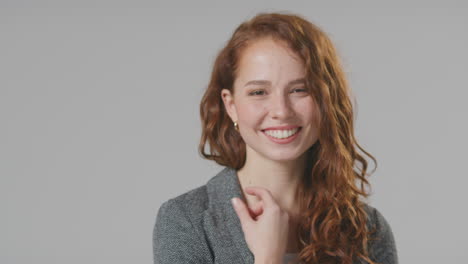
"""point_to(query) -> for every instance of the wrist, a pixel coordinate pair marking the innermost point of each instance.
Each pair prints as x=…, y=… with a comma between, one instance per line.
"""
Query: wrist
x=264, y=260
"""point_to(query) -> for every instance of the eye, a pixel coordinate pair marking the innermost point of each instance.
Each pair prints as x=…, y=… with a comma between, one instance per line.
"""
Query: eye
x=258, y=92
x=299, y=90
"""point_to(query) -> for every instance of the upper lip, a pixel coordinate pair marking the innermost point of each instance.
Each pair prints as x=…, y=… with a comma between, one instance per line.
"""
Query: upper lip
x=281, y=127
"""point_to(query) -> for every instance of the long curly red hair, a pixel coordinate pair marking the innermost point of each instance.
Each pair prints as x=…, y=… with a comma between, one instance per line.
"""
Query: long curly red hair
x=332, y=227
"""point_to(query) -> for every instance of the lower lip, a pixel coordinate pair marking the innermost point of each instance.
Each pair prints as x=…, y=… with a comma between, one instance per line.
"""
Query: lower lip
x=283, y=140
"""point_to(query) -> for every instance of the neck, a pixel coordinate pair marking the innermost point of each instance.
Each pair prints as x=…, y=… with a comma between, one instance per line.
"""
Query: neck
x=281, y=178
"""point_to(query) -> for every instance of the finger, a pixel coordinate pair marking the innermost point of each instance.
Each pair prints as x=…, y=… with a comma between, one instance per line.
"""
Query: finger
x=256, y=209
x=262, y=193
x=242, y=212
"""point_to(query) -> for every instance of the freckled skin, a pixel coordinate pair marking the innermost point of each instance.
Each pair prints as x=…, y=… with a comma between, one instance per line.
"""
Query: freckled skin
x=275, y=101
x=273, y=105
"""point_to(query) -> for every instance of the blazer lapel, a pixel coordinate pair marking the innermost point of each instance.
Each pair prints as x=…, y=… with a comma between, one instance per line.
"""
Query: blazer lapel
x=221, y=188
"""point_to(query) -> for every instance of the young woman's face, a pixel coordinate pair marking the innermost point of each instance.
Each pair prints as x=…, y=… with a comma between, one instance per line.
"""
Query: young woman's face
x=276, y=115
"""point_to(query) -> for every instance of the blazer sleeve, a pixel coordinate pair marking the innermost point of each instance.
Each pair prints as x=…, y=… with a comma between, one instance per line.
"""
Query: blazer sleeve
x=175, y=239
x=382, y=247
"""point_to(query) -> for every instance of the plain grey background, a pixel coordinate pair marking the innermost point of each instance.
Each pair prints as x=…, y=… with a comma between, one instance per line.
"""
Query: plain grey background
x=99, y=118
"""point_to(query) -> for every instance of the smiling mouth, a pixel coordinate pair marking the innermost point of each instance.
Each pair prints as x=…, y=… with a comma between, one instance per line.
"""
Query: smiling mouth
x=282, y=134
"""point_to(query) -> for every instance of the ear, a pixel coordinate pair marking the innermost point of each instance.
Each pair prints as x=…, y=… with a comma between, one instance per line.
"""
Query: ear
x=228, y=100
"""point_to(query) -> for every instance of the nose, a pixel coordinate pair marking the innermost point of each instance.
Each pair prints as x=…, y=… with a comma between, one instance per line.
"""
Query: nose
x=280, y=107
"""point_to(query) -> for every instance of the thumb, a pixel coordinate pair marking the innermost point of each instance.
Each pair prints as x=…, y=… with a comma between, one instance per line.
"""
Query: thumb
x=241, y=211
x=256, y=210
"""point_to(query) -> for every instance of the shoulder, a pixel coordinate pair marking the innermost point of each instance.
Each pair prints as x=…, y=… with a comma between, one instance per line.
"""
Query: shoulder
x=376, y=219
x=178, y=234
x=381, y=245
x=190, y=204
x=195, y=202
x=183, y=211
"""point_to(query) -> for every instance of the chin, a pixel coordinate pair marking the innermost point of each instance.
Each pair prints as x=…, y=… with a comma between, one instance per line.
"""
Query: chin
x=283, y=157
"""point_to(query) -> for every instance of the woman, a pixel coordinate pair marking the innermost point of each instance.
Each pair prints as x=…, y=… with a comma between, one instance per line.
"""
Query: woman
x=277, y=115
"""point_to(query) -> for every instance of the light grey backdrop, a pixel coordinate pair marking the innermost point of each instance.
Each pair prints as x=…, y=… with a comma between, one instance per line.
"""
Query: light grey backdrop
x=99, y=118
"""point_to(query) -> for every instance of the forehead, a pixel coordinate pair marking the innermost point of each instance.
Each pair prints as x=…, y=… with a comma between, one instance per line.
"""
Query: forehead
x=267, y=56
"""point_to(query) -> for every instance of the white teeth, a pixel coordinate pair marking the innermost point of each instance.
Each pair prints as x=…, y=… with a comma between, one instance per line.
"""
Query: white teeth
x=281, y=133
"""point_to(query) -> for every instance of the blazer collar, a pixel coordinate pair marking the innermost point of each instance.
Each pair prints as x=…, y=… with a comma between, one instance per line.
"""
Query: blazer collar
x=221, y=188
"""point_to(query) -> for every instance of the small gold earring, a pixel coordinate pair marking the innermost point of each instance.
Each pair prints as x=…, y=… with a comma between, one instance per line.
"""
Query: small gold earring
x=236, y=127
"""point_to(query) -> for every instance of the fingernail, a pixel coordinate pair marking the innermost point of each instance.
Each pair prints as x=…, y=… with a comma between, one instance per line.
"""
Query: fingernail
x=234, y=201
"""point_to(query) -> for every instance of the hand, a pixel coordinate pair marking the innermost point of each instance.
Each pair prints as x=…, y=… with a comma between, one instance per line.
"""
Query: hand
x=265, y=226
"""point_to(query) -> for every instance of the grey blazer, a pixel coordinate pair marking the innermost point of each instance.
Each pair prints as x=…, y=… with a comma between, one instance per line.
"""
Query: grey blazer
x=201, y=226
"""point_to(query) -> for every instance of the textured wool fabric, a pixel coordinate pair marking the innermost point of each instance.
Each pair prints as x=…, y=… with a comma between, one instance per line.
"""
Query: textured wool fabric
x=201, y=226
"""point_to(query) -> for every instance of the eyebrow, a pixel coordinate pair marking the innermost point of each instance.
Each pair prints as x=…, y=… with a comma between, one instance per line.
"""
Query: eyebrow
x=265, y=82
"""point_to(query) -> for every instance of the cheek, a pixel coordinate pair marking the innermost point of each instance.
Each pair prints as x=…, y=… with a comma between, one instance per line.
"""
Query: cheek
x=308, y=110
x=250, y=113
